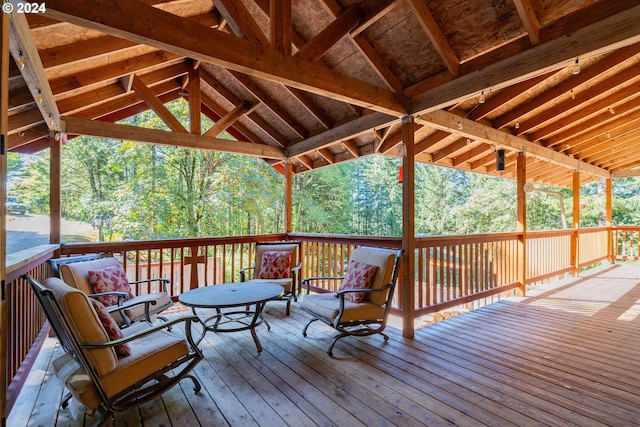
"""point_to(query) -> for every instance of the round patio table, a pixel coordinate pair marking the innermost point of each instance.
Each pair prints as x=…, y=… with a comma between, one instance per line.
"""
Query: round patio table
x=231, y=295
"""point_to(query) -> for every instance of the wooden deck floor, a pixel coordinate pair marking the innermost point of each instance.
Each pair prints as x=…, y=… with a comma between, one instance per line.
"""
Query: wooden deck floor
x=565, y=356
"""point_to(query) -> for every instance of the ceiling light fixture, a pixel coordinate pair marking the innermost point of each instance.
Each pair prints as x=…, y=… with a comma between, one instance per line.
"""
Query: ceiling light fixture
x=460, y=127
x=517, y=125
x=20, y=61
x=482, y=99
x=576, y=67
x=611, y=110
x=39, y=97
x=573, y=95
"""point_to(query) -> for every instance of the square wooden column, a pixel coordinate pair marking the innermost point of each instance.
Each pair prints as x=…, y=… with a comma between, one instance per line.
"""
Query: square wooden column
x=575, y=236
x=521, y=196
x=55, y=185
x=408, y=276
x=288, y=198
x=609, y=218
x=4, y=130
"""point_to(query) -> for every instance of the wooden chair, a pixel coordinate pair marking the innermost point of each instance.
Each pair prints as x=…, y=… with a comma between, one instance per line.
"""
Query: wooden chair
x=289, y=279
x=93, y=368
x=363, y=317
x=74, y=271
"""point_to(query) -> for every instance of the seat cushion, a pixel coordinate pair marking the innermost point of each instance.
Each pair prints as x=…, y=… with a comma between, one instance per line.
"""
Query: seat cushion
x=76, y=274
x=285, y=283
x=148, y=355
x=84, y=324
x=326, y=306
x=109, y=279
x=74, y=377
x=275, y=265
x=385, y=261
x=162, y=300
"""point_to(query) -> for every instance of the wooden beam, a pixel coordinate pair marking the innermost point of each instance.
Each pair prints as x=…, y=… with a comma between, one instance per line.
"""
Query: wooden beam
x=140, y=23
x=611, y=33
x=312, y=108
x=373, y=14
x=327, y=155
x=529, y=20
x=330, y=35
x=195, y=101
x=378, y=63
x=157, y=106
x=451, y=123
x=228, y=119
x=96, y=128
x=347, y=130
x=55, y=187
x=241, y=21
x=575, y=236
x=521, y=214
x=281, y=25
x=25, y=53
x=288, y=194
x=352, y=147
x=433, y=31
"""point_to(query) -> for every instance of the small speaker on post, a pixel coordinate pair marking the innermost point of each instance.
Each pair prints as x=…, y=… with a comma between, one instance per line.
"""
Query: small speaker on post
x=499, y=160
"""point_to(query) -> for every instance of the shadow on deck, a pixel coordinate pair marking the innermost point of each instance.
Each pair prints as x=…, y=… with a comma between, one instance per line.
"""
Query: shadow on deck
x=566, y=355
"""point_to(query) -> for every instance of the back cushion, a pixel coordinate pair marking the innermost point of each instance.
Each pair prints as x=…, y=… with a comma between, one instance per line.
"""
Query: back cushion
x=84, y=323
x=76, y=274
x=384, y=259
x=291, y=247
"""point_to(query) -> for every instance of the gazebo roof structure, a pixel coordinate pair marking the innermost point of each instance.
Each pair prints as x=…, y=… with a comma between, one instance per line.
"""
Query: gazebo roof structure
x=324, y=81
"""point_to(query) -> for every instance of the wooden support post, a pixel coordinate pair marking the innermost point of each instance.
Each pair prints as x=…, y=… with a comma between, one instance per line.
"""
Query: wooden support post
x=609, y=219
x=408, y=282
x=4, y=131
x=195, y=105
x=575, y=236
x=288, y=197
x=55, y=185
x=522, y=222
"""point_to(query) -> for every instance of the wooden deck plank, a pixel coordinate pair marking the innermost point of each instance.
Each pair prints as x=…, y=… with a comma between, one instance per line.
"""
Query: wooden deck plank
x=568, y=356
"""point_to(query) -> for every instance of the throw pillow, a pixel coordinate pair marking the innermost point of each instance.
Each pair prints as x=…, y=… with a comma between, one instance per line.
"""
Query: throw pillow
x=359, y=275
x=111, y=327
x=110, y=279
x=275, y=265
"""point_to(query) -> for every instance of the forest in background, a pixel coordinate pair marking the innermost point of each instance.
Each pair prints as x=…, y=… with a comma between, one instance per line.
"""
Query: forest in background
x=156, y=192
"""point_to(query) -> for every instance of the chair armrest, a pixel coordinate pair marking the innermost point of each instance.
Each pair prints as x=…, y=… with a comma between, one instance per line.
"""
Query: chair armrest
x=121, y=295
x=147, y=301
x=363, y=290
x=162, y=280
x=187, y=319
x=307, y=285
x=243, y=272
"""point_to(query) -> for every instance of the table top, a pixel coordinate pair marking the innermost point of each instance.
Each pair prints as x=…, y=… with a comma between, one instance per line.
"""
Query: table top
x=231, y=295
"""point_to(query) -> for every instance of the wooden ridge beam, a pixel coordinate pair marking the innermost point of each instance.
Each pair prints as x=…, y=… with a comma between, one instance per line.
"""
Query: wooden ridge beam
x=614, y=32
x=74, y=125
x=451, y=123
x=137, y=22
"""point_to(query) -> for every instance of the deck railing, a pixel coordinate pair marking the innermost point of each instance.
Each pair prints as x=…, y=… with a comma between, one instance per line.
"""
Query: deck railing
x=449, y=270
x=625, y=243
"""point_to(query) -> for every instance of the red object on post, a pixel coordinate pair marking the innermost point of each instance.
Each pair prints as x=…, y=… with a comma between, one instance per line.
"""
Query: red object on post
x=399, y=174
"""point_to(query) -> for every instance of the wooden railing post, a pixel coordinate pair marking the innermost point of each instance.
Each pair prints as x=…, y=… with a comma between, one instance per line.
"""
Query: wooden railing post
x=55, y=185
x=288, y=199
x=408, y=276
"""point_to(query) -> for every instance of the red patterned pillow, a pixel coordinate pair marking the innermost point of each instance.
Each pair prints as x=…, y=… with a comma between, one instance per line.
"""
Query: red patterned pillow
x=111, y=327
x=359, y=275
x=275, y=265
x=110, y=279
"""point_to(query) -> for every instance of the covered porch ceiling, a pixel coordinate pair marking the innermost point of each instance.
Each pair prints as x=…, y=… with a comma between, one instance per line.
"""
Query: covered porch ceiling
x=326, y=81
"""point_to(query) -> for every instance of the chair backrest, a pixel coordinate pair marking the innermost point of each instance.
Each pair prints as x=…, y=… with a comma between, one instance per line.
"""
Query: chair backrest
x=76, y=274
x=388, y=262
x=293, y=247
x=75, y=321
